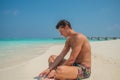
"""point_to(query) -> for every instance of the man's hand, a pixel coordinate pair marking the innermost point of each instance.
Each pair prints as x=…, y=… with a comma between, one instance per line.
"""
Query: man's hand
x=44, y=73
x=51, y=74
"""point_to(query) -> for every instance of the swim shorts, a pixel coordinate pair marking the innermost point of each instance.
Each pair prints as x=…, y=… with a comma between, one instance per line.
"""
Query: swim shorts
x=83, y=72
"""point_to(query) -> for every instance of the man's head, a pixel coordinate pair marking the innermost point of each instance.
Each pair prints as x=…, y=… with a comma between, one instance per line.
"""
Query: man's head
x=63, y=27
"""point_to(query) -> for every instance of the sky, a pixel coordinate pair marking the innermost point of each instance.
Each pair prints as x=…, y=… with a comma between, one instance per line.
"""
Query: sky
x=21, y=19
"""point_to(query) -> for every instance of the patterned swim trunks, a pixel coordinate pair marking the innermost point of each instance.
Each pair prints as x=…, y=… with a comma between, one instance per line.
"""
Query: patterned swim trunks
x=83, y=72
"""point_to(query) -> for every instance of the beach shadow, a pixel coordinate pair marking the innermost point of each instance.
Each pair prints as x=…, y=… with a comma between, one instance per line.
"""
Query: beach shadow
x=37, y=78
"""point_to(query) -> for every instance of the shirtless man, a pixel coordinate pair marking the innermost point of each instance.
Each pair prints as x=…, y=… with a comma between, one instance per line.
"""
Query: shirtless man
x=78, y=65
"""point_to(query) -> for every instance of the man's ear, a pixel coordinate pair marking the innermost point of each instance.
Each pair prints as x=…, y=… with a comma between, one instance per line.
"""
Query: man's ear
x=66, y=27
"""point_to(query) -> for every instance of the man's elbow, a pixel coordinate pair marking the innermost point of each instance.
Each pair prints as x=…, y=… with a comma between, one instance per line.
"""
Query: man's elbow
x=72, y=61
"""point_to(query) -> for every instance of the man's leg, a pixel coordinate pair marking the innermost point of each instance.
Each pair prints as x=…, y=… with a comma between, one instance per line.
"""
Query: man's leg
x=66, y=72
x=63, y=71
x=50, y=61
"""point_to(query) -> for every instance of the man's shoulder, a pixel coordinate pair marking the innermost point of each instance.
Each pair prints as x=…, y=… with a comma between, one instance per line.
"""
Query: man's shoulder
x=77, y=36
x=80, y=36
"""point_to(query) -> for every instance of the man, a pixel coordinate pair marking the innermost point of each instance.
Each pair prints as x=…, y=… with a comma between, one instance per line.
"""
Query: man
x=78, y=65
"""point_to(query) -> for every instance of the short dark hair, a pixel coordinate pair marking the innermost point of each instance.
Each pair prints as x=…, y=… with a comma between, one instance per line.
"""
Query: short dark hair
x=63, y=23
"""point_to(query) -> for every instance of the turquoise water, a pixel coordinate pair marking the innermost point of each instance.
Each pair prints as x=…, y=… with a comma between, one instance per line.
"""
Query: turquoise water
x=29, y=41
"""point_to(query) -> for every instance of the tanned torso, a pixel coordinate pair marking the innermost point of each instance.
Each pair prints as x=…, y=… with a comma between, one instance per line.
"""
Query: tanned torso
x=84, y=56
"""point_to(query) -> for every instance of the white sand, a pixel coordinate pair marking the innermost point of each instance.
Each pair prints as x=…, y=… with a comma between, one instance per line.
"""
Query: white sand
x=105, y=63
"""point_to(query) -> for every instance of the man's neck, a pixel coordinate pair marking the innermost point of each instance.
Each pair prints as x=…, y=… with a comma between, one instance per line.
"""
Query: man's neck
x=71, y=32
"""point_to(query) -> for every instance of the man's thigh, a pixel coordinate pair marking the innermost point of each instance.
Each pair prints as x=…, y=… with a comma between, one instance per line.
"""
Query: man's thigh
x=66, y=72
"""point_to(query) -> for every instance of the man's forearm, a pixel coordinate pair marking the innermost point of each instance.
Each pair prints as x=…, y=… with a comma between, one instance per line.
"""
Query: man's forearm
x=68, y=62
x=56, y=62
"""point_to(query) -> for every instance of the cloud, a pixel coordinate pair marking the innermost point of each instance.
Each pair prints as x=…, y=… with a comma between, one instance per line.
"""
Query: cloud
x=14, y=12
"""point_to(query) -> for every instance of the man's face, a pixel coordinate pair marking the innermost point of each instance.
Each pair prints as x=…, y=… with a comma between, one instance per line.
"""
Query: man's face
x=63, y=31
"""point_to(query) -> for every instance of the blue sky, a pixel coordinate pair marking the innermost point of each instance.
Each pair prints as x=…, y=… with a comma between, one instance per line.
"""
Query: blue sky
x=38, y=18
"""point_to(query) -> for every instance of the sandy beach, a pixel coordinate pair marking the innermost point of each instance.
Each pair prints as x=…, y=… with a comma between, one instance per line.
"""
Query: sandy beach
x=105, y=63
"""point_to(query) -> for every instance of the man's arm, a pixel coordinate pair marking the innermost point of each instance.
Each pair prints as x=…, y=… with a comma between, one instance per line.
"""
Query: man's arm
x=57, y=60
x=61, y=56
x=76, y=48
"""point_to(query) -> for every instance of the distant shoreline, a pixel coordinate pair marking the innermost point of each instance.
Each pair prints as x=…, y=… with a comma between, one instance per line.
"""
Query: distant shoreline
x=57, y=38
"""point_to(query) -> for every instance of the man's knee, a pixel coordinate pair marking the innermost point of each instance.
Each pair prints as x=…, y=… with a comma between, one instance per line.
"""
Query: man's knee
x=60, y=72
x=66, y=72
x=52, y=58
x=60, y=69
